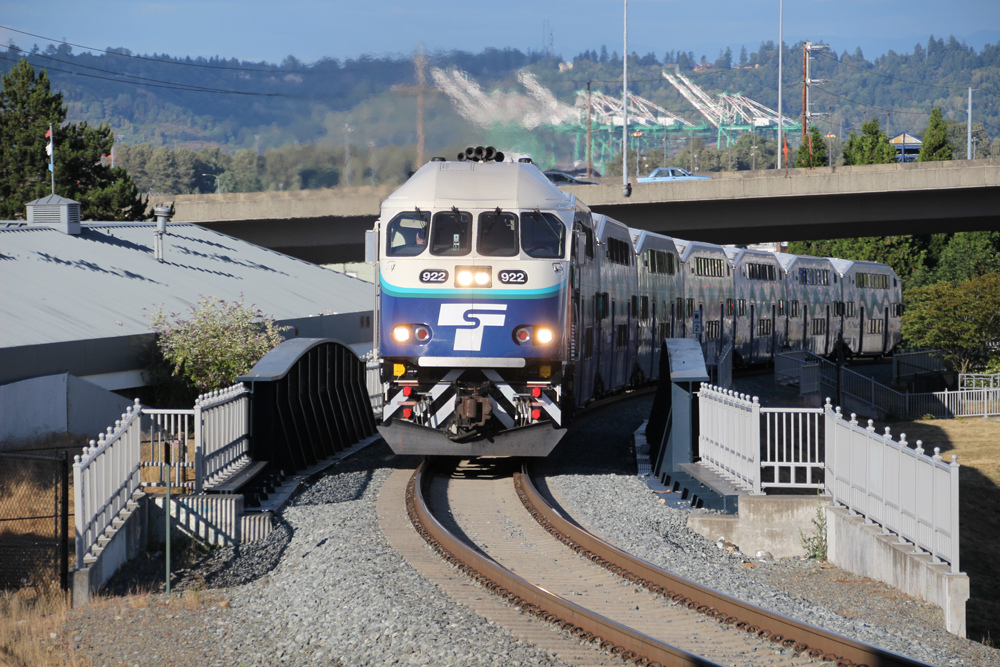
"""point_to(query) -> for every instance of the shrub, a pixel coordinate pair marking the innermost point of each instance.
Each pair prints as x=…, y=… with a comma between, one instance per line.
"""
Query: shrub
x=815, y=544
x=218, y=343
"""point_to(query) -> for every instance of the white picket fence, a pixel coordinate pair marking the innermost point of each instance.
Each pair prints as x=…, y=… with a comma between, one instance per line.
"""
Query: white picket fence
x=907, y=493
x=212, y=438
x=979, y=380
x=758, y=448
x=106, y=483
x=902, y=490
x=107, y=476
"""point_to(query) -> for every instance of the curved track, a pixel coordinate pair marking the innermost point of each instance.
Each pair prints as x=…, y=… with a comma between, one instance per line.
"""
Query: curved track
x=491, y=522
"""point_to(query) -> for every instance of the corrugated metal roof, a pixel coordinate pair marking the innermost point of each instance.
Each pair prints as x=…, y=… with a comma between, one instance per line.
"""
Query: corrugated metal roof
x=55, y=287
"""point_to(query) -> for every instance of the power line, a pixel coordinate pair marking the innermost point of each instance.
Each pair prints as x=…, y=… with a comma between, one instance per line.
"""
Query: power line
x=891, y=111
x=893, y=78
x=216, y=91
x=183, y=86
x=155, y=60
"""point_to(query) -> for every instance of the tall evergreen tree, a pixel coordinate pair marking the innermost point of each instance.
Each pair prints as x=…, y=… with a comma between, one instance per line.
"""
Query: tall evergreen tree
x=870, y=147
x=936, y=145
x=812, y=152
x=27, y=108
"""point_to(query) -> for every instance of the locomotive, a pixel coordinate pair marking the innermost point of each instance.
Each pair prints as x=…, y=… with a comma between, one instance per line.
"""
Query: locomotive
x=503, y=305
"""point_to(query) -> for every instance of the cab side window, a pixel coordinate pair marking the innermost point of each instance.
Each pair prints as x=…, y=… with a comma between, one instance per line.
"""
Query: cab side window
x=543, y=235
x=407, y=234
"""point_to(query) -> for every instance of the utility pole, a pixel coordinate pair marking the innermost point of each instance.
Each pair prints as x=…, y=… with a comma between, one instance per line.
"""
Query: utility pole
x=590, y=157
x=968, y=132
x=626, y=188
x=420, y=62
x=807, y=50
x=781, y=12
x=52, y=156
x=347, y=155
x=805, y=89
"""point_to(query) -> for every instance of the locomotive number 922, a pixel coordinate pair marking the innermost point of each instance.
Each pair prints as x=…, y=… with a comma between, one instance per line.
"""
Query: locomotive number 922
x=504, y=304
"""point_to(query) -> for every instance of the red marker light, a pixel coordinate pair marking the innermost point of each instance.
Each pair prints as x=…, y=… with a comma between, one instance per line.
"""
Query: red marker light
x=407, y=413
x=536, y=414
x=522, y=335
x=536, y=391
x=407, y=391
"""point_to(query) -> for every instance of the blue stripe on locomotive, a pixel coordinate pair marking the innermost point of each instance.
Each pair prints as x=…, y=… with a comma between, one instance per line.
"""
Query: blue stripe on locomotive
x=500, y=313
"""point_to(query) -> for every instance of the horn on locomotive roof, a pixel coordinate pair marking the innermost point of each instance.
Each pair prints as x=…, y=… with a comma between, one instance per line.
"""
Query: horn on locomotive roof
x=481, y=154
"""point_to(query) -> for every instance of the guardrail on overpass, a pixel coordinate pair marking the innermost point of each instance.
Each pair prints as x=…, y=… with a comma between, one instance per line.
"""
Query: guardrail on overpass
x=733, y=207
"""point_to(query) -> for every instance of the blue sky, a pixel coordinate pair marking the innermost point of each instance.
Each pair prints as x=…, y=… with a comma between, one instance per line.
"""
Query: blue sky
x=309, y=29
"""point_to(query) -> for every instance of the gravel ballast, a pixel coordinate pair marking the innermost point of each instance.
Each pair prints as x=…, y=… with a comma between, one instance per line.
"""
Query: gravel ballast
x=326, y=589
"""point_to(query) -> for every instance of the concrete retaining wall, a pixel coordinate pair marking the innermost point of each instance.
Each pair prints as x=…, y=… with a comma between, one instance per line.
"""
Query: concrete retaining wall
x=211, y=519
x=862, y=549
x=775, y=524
x=763, y=523
x=127, y=541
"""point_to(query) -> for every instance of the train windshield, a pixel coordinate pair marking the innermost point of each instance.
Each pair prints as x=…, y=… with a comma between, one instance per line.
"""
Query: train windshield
x=451, y=233
x=407, y=234
x=497, y=234
x=543, y=235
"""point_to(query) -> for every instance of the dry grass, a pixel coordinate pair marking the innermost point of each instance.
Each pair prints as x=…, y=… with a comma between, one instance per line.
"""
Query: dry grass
x=28, y=619
x=28, y=489
x=976, y=442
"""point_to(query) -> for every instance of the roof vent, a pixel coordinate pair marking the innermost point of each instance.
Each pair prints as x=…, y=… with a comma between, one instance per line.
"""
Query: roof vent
x=162, y=218
x=56, y=212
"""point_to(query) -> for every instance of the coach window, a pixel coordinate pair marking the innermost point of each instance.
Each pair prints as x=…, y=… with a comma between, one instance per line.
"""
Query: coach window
x=408, y=234
x=543, y=235
x=497, y=234
x=451, y=233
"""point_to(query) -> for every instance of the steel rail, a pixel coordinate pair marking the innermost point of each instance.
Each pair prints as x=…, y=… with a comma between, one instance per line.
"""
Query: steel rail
x=803, y=638
x=620, y=640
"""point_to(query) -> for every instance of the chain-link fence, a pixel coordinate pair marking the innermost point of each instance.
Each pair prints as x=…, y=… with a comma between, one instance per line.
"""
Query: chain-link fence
x=34, y=521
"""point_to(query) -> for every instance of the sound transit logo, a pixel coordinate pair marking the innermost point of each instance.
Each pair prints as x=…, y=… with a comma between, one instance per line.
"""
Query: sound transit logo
x=472, y=319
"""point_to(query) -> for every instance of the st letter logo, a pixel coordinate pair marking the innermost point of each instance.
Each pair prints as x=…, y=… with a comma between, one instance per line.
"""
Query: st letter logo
x=471, y=318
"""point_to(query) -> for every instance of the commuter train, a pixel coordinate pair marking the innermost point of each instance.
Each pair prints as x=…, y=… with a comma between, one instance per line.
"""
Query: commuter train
x=504, y=304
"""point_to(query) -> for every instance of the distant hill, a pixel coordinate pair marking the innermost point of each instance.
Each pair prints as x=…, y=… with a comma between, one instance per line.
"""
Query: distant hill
x=370, y=102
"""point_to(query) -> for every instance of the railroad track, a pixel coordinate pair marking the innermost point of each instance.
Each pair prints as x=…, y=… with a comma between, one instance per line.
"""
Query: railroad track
x=487, y=518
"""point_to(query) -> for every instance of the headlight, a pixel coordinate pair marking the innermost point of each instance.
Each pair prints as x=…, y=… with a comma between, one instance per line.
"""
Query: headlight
x=543, y=335
x=473, y=276
x=401, y=334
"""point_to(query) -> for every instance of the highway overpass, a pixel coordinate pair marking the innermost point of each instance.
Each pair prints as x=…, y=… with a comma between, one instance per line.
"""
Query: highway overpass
x=326, y=226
